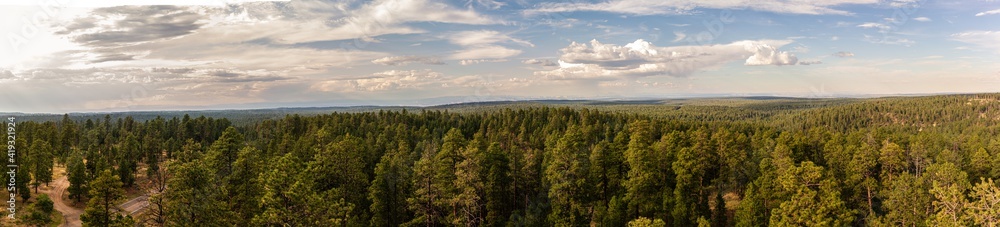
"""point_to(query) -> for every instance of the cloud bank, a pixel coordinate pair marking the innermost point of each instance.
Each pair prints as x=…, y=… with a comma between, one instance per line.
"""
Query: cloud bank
x=658, y=7
x=596, y=60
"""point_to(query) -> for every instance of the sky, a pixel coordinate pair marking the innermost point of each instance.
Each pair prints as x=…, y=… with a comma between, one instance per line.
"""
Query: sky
x=129, y=55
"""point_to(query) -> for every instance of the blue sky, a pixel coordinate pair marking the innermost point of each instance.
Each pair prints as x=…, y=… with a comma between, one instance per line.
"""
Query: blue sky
x=65, y=55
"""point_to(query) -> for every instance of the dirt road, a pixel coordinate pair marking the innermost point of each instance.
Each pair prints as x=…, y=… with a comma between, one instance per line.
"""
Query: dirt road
x=134, y=205
x=56, y=191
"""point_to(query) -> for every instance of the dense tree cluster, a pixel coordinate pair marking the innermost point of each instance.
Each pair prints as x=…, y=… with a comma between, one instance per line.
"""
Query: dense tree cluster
x=924, y=161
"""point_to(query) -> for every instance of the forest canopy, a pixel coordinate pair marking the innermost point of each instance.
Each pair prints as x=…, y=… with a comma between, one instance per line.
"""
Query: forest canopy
x=912, y=161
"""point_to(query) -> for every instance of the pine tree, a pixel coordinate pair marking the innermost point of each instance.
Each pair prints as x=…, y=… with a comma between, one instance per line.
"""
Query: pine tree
x=948, y=185
x=127, y=159
x=77, y=174
x=645, y=178
x=224, y=151
x=41, y=167
x=984, y=210
x=497, y=186
x=68, y=136
x=391, y=187
x=191, y=198
x=906, y=200
x=338, y=170
x=719, y=212
x=815, y=199
x=751, y=211
x=105, y=193
x=289, y=199
x=243, y=187
x=23, y=176
x=445, y=162
x=424, y=198
x=469, y=184
x=567, y=175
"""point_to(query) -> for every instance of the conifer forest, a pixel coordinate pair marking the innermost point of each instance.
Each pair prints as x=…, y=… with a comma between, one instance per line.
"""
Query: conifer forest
x=897, y=161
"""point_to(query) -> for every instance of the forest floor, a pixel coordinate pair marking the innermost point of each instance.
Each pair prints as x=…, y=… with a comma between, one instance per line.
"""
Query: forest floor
x=60, y=198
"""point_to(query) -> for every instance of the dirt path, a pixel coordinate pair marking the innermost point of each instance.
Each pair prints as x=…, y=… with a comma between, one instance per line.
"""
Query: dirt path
x=56, y=191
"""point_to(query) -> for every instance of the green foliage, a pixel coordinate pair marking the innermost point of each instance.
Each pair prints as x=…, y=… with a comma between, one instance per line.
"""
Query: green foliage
x=289, y=199
x=645, y=222
x=39, y=212
x=984, y=209
x=948, y=187
x=785, y=162
x=815, y=199
x=567, y=174
x=77, y=175
x=41, y=166
x=191, y=199
x=390, y=189
x=105, y=193
x=906, y=200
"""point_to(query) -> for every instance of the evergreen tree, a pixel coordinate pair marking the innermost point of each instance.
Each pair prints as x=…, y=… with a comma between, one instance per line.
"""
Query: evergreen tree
x=224, y=152
x=498, y=190
x=127, y=159
x=469, y=184
x=984, y=209
x=424, y=198
x=289, y=199
x=751, y=211
x=906, y=200
x=41, y=167
x=105, y=193
x=191, y=198
x=338, y=171
x=815, y=199
x=77, y=175
x=567, y=174
x=243, y=186
x=445, y=162
x=390, y=189
x=645, y=178
x=948, y=185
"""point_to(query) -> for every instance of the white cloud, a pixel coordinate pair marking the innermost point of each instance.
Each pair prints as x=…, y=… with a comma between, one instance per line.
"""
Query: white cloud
x=484, y=44
x=801, y=49
x=991, y=12
x=482, y=37
x=810, y=62
x=768, y=55
x=654, y=7
x=477, y=61
x=888, y=39
x=843, y=54
x=879, y=26
x=408, y=80
x=987, y=39
x=280, y=22
x=922, y=19
x=542, y=62
x=678, y=36
x=404, y=60
x=904, y=3
x=600, y=61
x=485, y=52
x=112, y=3
x=381, y=81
